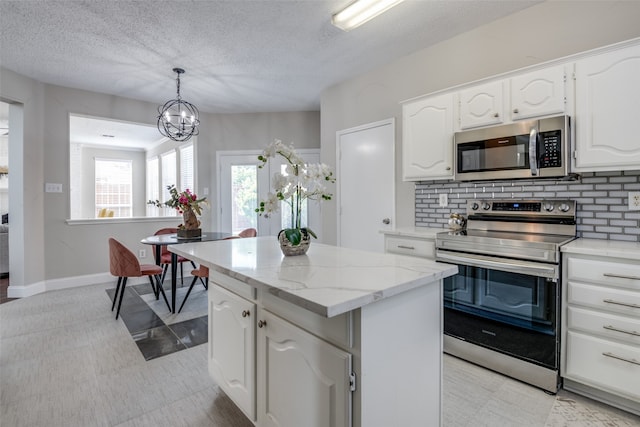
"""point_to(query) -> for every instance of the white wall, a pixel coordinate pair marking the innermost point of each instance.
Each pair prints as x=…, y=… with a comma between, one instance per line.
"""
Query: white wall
x=547, y=31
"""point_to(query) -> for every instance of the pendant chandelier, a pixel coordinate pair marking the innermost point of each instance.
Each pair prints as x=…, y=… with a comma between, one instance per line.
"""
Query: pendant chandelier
x=178, y=119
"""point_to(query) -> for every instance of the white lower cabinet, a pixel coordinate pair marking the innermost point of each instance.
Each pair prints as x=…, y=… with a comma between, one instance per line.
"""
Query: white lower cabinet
x=232, y=328
x=601, y=339
x=303, y=381
x=278, y=374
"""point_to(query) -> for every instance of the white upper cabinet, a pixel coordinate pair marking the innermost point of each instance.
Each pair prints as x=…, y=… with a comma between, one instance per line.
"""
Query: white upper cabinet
x=538, y=93
x=608, y=111
x=482, y=105
x=427, y=135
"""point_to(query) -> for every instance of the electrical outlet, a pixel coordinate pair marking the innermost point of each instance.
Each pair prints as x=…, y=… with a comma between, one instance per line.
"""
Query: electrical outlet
x=142, y=253
x=634, y=200
x=444, y=201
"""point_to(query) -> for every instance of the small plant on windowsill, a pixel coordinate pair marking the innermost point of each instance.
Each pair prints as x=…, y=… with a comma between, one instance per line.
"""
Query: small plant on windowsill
x=300, y=182
x=189, y=205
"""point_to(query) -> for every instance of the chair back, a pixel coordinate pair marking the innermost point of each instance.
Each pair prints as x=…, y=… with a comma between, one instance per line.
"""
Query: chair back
x=164, y=250
x=249, y=232
x=122, y=262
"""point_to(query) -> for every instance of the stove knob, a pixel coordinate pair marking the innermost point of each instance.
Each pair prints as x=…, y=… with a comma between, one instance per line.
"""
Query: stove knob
x=564, y=207
x=548, y=207
x=486, y=206
x=474, y=206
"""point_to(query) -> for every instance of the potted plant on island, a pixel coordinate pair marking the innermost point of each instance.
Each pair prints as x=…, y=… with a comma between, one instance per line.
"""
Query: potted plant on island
x=298, y=183
x=187, y=204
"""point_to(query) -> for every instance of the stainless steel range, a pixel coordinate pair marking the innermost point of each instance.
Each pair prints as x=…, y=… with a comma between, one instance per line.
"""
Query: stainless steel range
x=502, y=310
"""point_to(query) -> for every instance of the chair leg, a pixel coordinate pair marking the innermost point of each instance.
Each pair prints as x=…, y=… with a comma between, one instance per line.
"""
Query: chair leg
x=181, y=275
x=205, y=282
x=124, y=285
x=161, y=290
x=115, y=296
x=193, y=282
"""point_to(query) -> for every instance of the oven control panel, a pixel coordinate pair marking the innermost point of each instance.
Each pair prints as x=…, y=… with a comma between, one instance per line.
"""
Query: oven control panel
x=522, y=207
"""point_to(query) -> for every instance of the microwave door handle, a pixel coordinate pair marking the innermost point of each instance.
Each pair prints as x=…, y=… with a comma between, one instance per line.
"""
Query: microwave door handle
x=533, y=151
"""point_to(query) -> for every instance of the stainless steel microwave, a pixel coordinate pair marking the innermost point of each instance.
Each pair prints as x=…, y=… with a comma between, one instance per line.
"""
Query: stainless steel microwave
x=527, y=149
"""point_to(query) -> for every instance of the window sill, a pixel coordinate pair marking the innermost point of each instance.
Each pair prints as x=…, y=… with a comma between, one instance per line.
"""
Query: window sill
x=101, y=221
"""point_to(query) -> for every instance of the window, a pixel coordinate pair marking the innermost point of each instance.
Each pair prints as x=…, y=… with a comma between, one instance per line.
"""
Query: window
x=244, y=180
x=186, y=168
x=172, y=167
x=113, y=188
x=167, y=178
x=153, y=188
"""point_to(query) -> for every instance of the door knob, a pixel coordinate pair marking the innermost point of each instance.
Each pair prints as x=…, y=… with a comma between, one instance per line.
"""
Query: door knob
x=386, y=221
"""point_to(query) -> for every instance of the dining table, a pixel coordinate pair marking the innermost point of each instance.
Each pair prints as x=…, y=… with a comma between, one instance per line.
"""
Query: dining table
x=160, y=240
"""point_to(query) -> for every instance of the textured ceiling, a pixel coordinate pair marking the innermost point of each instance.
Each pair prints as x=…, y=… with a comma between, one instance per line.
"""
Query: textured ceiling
x=239, y=56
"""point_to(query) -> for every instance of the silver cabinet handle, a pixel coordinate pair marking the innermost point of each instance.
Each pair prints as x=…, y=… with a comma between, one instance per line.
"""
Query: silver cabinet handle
x=515, y=111
x=626, y=304
x=246, y=313
x=262, y=323
x=621, y=276
x=611, y=328
x=624, y=359
x=406, y=247
x=386, y=221
x=448, y=168
x=496, y=115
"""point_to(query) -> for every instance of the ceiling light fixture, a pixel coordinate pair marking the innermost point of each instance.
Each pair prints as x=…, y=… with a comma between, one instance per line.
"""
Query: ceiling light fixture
x=178, y=119
x=361, y=11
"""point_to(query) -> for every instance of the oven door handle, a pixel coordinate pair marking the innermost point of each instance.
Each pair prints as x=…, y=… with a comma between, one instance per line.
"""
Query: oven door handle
x=513, y=266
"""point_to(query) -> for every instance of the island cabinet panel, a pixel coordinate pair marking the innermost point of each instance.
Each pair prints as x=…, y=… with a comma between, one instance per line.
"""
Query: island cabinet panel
x=232, y=347
x=608, y=111
x=303, y=380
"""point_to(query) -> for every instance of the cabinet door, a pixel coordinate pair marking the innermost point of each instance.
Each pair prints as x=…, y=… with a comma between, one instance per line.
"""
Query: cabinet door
x=538, y=93
x=427, y=140
x=304, y=381
x=232, y=347
x=482, y=105
x=608, y=111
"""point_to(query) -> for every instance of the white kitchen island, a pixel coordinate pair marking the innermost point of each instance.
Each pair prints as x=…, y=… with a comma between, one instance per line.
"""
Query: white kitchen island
x=337, y=337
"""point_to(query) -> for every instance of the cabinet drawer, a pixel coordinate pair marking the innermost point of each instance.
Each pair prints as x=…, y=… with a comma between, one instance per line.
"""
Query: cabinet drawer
x=603, y=298
x=234, y=285
x=598, y=362
x=622, y=273
x=606, y=325
x=408, y=246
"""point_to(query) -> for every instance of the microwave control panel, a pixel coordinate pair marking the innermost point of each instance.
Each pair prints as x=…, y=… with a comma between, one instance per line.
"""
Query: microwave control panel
x=550, y=149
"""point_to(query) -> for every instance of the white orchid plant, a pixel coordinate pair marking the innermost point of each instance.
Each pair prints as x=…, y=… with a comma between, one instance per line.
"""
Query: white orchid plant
x=298, y=183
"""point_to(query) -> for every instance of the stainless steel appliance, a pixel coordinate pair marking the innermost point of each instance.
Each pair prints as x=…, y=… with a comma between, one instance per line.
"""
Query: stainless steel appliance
x=502, y=310
x=526, y=149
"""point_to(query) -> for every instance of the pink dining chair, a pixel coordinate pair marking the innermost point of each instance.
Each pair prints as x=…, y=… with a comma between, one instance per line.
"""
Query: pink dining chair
x=124, y=264
x=165, y=256
x=202, y=272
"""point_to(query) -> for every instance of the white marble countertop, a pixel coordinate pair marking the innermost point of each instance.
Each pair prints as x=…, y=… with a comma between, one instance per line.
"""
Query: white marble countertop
x=612, y=248
x=328, y=280
x=420, y=232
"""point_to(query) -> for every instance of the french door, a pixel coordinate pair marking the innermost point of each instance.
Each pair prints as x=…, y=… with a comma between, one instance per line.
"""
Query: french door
x=242, y=184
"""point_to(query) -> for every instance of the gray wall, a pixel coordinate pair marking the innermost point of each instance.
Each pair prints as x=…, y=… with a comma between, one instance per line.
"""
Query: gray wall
x=563, y=28
x=52, y=248
x=601, y=199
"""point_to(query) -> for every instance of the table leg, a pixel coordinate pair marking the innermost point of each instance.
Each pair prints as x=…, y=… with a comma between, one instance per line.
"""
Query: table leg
x=174, y=273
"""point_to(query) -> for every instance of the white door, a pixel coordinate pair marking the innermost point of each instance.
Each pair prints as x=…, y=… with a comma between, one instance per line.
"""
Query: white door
x=365, y=184
x=242, y=184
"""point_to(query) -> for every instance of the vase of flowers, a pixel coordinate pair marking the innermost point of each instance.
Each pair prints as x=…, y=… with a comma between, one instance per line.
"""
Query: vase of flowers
x=298, y=183
x=187, y=204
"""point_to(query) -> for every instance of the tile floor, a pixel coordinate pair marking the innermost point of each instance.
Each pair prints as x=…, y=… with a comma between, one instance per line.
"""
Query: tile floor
x=66, y=361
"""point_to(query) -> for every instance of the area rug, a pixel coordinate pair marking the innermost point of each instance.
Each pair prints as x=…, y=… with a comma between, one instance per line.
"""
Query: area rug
x=156, y=331
x=573, y=412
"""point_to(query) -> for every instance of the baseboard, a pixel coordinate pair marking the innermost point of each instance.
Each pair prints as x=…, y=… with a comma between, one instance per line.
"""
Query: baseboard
x=610, y=399
x=23, y=291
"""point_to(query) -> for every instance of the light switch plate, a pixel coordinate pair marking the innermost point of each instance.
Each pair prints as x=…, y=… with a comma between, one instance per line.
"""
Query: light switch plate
x=443, y=200
x=634, y=200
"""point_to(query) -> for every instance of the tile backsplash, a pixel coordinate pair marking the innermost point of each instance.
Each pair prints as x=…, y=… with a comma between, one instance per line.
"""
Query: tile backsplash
x=602, y=201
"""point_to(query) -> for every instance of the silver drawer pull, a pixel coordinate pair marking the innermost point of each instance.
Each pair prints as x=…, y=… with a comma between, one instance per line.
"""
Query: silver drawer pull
x=406, y=247
x=626, y=304
x=621, y=276
x=611, y=328
x=634, y=361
